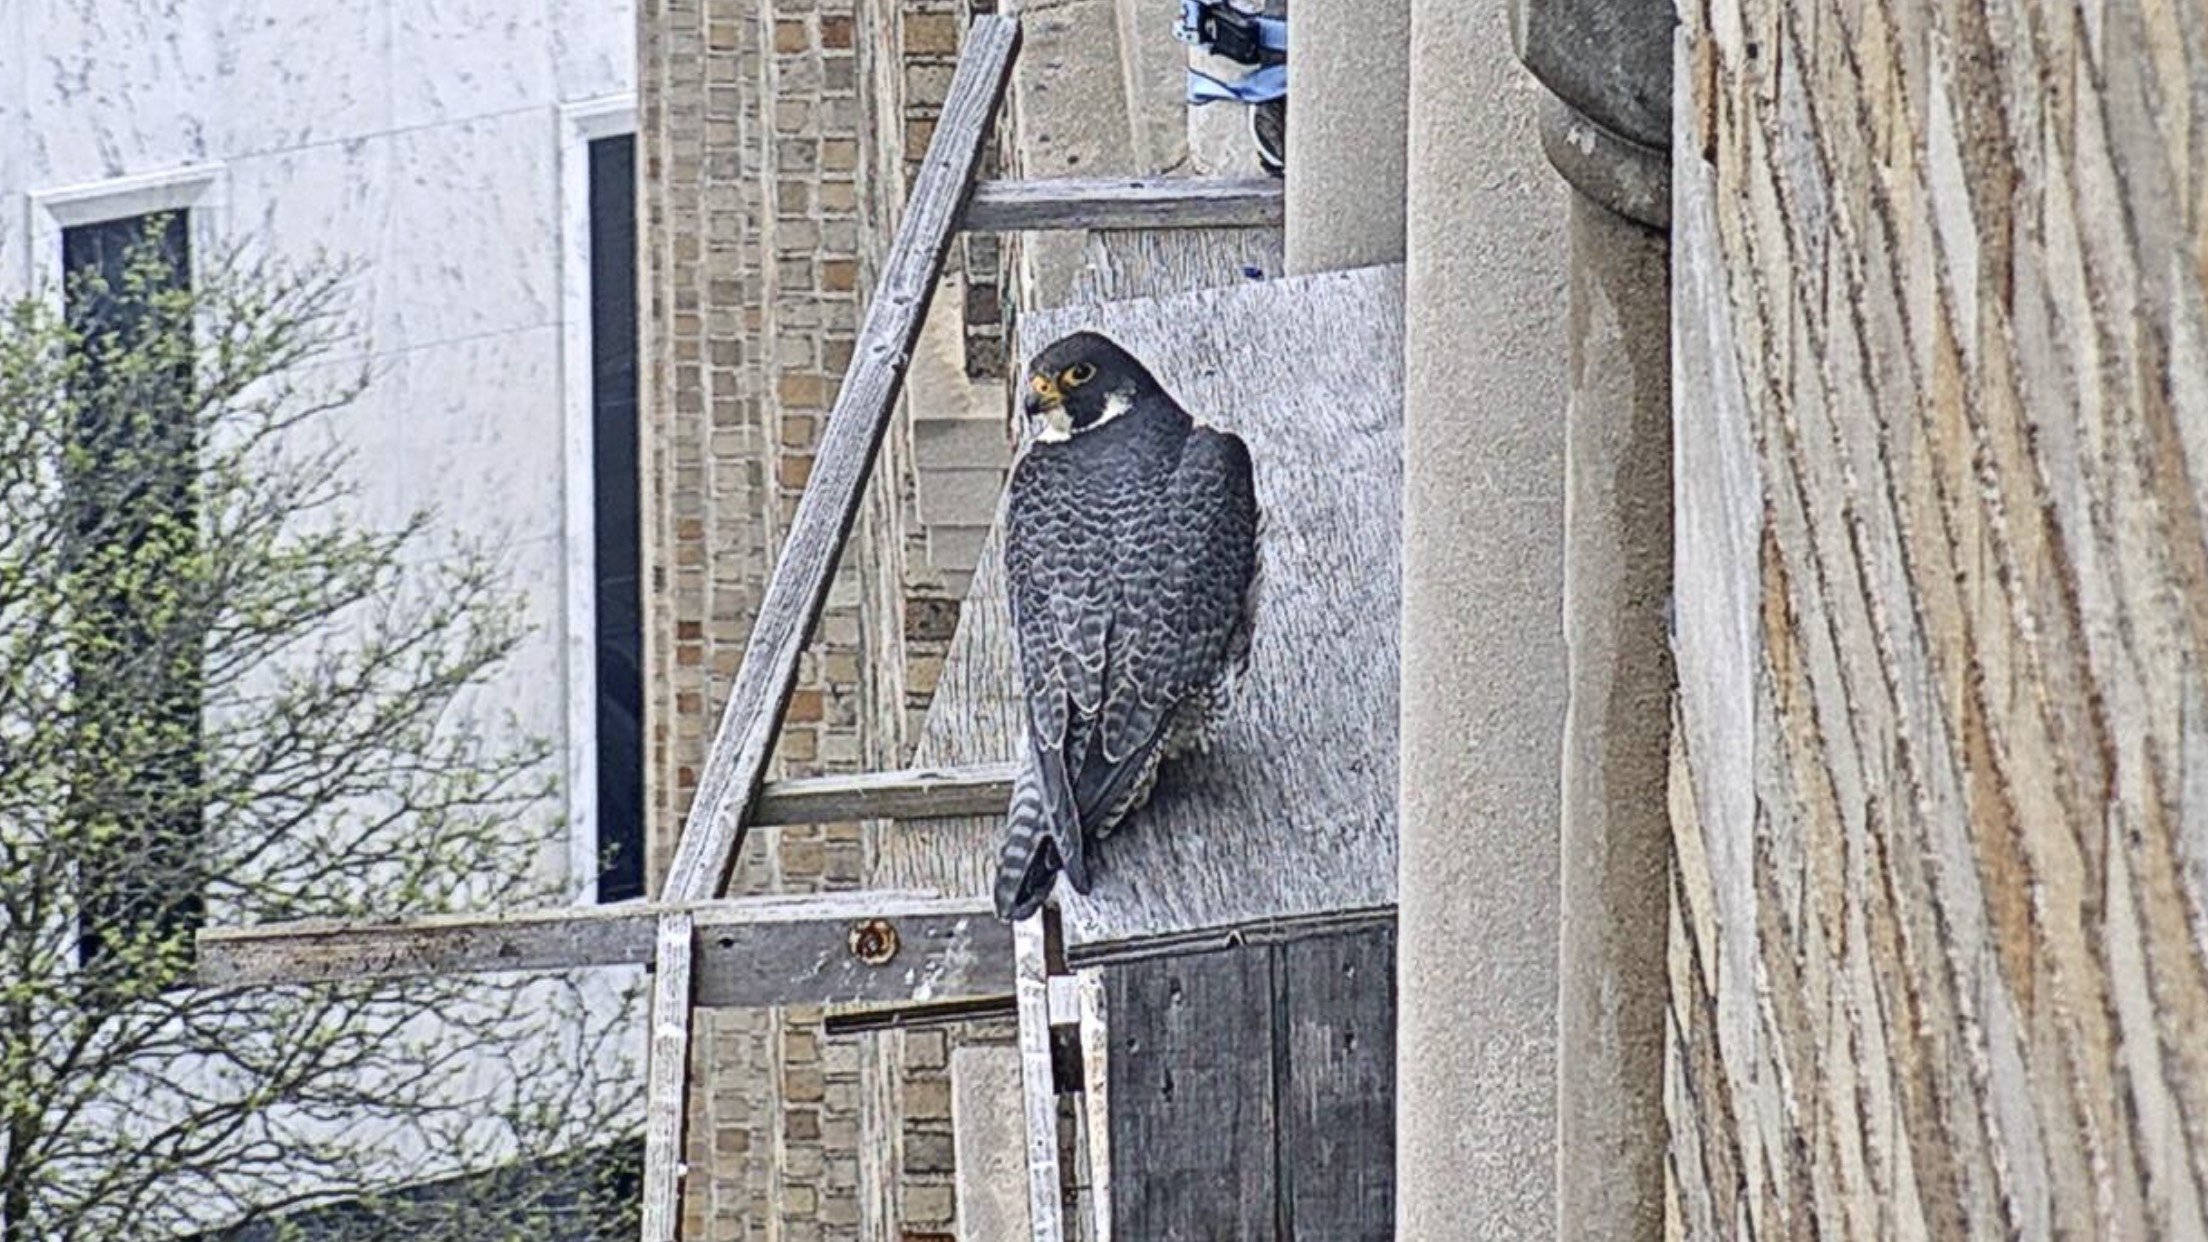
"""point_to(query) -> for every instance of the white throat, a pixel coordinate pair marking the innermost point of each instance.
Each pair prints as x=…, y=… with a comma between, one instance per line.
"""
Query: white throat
x=1057, y=428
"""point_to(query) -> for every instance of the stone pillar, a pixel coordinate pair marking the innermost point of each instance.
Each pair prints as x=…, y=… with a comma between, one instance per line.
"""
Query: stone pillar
x=1617, y=576
x=1607, y=131
x=1348, y=75
x=1483, y=693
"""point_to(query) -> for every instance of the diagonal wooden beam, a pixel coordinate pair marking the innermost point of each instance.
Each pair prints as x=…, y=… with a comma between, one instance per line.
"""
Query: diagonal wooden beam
x=1123, y=203
x=714, y=829
x=737, y=764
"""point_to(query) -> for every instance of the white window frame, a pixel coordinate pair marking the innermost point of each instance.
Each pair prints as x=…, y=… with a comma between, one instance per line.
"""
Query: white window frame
x=581, y=123
x=200, y=189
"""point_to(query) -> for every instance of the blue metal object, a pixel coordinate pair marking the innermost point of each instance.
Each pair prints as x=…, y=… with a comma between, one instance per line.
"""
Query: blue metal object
x=1259, y=86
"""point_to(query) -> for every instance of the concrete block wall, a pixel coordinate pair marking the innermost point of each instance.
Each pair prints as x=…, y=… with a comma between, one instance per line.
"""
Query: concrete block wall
x=1939, y=949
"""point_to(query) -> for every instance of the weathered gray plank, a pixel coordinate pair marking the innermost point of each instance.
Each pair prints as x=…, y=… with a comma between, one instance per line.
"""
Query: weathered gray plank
x=1038, y=1085
x=913, y=793
x=750, y=952
x=1337, y=1105
x=919, y=1015
x=1124, y=203
x=666, y=1075
x=1146, y=263
x=872, y=951
x=1292, y=814
x=752, y=718
x=1192, y=1118
x=317, y=951
x=1096, y=1096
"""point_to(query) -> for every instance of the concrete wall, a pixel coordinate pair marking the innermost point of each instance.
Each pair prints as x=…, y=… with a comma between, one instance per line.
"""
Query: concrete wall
x=427, y=148
x=439, y=148
x=1483, y=642
x=1349, y=61
x=1938, y=952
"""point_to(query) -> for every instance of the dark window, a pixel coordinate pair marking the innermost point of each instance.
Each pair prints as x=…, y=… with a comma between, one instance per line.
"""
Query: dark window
x=614, y=536
x=134, y=645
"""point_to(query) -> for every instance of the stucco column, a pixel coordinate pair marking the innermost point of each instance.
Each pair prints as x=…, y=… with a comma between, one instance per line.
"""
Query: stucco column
x=1348, y=76
x=1606, y=130
x=1483, y=691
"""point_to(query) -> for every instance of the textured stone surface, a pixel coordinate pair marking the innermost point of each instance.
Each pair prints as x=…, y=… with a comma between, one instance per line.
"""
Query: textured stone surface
x=1483, y=642
x=1350, y=62
x=1937, y=943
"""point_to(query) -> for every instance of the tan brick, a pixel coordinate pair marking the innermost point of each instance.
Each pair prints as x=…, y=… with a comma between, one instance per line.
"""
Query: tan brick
x=791, y=36
x=928, y=1098
x=803, y=1085
x=927, y=1050
x=931, y=33
x=928, y=1205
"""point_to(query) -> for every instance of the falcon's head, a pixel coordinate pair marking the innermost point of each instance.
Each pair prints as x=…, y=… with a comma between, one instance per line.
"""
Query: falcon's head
x=1082, y=381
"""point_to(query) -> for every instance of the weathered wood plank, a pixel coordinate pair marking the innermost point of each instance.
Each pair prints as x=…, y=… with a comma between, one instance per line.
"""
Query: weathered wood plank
x=1191, y=1069
x=919, y=1015
x=1096, y=1096
x=1250, y=934
x=1337, y=1105
x=318, y=951
x=1148, y=263
x=666, y=1077
x=1038, y=1085
x=1292, y=813
x=752, y=717
x=1124, y=203
x=753, y=951
x=937, y=950
x=913, y=793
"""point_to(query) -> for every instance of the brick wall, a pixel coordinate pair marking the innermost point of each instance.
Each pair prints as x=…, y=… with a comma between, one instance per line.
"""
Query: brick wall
x=774, y=138
x=1942, y=399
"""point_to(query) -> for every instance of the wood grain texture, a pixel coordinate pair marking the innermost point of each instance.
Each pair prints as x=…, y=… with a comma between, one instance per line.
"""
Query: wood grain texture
x=1939, y=949
x=1148, y=263
x=320, y=951
x=1123, y=203
x=1336, y=1107
x=1192, y=1077
x=912, y=793
x=665, y=1079
x=944, y=950
x=1038, y=1084
x=1096, y=1099
x=1293, y=811
x=753, y=951
x=714, y=828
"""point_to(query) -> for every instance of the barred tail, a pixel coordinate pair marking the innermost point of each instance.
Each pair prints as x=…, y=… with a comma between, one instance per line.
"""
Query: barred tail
x=1042, y=836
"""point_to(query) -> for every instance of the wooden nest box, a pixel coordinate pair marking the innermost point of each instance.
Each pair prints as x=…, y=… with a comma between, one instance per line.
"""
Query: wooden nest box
x=1287, y=825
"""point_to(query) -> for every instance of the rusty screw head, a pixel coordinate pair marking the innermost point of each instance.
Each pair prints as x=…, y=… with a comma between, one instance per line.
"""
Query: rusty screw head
x=874, y=941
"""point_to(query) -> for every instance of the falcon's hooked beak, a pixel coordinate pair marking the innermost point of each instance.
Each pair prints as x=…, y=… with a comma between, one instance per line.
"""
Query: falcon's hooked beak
x=1043, y=395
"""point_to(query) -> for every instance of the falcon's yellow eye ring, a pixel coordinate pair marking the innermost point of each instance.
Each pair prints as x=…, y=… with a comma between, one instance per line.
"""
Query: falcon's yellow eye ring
x=1077, y=374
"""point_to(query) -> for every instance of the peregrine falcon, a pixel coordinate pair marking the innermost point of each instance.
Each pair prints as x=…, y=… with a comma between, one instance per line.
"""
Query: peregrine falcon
x=1131, y=558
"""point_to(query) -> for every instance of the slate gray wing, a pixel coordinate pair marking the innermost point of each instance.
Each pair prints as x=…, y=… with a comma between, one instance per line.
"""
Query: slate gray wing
x=1179, y=625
